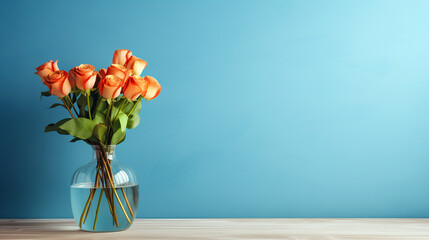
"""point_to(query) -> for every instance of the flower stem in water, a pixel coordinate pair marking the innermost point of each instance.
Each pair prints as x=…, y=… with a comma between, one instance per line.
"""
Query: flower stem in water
x=98, y=208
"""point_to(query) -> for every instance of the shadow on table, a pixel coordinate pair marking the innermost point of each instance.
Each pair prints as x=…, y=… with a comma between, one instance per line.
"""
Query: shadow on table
x=35, y=227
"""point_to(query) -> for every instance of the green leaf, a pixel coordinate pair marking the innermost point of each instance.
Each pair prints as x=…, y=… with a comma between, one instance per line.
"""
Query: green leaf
x=118, y=137
x=133, y=121
x=99, y=117
x=57, y=105
x=81, y=103
x=75, y=89
x=117, y=105
x=129, y=106
x=54, y=127
x=123, y=139
x=74, y=96
x=102, y=107
x=100, y=132
x=93, y=139
x=123, y=120
x=45, y=94
x=79, y=127
x=120, y=122
x=138, y=107
x=75, y=139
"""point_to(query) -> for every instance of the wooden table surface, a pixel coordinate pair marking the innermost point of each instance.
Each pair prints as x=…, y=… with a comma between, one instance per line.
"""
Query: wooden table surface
x=298, y=228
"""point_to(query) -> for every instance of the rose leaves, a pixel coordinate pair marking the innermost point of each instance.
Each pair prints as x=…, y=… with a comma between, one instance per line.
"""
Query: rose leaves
x=124, y=114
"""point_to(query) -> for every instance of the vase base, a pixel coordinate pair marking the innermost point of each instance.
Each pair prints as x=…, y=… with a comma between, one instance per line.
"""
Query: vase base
x=103, y=215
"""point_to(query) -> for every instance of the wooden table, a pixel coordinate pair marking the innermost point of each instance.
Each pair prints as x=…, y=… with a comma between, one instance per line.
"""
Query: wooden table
x=319, y=229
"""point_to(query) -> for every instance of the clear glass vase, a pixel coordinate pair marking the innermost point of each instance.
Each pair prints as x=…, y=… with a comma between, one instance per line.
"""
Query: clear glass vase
x=104, y=193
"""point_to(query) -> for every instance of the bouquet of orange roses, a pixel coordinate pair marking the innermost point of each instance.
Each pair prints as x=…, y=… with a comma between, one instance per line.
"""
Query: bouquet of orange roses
x=101, y=105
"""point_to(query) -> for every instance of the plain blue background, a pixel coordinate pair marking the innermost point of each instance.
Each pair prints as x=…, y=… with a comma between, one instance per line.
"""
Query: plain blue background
x=267, y=109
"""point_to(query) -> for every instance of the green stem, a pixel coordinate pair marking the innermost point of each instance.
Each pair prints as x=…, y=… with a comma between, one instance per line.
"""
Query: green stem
x=98, y=209
x=110, y=129
x=120, y=108
x=65, y=104
x=71, y=103
x=97, y=104
x=110, y=117
x=89, y=107
x=107, y=113
x=134, y=107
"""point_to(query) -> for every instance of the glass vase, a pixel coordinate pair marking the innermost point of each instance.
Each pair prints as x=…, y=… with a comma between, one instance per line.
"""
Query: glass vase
x=104, y=193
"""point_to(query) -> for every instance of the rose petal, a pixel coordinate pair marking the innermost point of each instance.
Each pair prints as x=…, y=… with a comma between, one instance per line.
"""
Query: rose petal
x=82, y=74
x=121, y=56
x=102, y=72
x=153, y=88
x=117, y=92
x=100, y=87
x=45, y=69
x=55, y=66
x=136, y=65
x=72, y=77
x=56, y=89
x=118, y=70
x=89, y=84
x=66, y=86
x=58, y=83
x=110, y=86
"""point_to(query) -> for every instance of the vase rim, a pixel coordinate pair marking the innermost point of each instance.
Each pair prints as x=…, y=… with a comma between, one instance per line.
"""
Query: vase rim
x=104, y=146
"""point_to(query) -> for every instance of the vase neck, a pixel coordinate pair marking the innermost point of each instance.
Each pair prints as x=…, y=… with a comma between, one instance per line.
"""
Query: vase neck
x=107, y=151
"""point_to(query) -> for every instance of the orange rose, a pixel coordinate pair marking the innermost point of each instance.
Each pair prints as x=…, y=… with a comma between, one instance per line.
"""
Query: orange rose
x=136, y=65
x=121, y=56
x=58, y=83
x=45, y=69
x=84, y=76
x=110, y=86
x=119, y=71
x=153, y=88
x=135, y=86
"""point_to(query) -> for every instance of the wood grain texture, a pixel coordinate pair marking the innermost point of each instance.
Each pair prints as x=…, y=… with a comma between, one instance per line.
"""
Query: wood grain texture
x=319, y=229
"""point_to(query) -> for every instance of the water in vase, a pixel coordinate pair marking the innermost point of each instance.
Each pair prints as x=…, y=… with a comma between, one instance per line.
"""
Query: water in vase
x=106, y=201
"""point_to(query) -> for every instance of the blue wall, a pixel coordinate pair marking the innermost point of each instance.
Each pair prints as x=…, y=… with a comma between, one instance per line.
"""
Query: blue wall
x=268, y=108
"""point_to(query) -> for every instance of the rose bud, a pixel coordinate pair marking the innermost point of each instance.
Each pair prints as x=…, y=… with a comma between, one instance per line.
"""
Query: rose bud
x=102, y=72
x=136, y=64
x=45, y=69
x=84, y=76
x=110, y=86
x=135, y=86
x=121, y=56
x=153, y=88
x=58, y=83
x=119, y=71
